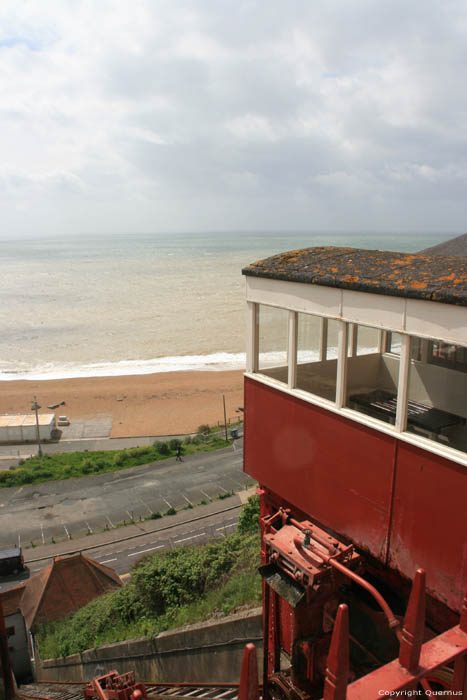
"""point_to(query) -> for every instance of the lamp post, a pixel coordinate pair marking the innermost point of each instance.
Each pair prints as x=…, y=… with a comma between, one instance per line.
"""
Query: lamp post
x=35, y=407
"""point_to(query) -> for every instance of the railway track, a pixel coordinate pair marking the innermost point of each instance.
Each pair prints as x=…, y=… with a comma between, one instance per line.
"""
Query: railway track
x=47, y=690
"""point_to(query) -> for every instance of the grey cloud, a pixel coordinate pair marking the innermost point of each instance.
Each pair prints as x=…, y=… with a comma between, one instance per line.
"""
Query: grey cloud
x=235, y=112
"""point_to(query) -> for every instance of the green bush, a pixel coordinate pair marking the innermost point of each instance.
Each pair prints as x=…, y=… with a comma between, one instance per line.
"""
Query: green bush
x=249, y=515
x=162, y=448
x=7, y=478
x=178, y=575
x=170, y=511
x=155, y=516
x=174, y=444
x=87, y=466
x=119, y=459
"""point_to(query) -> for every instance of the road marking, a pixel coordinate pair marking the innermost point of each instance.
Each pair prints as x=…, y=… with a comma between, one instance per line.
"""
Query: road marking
x=42, y=533
x=205, y=494
x=111, y=523
x=223, y=489
x=129, y=514
x=237, y=483
x=135, y=554
x=225, y=527
x=167, y=503
x=145, y=505
x=193, y=537
x=106, y=561
x=67, y=533
x=187, y=500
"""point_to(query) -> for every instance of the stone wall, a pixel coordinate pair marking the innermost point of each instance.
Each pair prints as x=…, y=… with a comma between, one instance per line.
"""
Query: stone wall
x=209, y=652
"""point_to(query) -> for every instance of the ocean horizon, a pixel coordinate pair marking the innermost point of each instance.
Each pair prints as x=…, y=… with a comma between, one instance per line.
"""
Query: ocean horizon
x=95, y=306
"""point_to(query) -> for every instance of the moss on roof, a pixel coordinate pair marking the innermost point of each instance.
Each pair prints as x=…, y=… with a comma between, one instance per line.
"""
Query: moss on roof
x=430, y=277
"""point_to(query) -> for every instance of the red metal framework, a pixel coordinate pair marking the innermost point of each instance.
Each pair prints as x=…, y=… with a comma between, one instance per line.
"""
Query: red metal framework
x=437, y=667
x=112, y=686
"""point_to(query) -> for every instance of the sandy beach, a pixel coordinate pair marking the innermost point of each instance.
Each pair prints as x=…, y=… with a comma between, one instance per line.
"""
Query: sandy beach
x=152, y=404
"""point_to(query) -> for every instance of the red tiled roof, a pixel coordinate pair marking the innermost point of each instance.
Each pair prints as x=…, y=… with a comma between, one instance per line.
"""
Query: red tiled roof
x=11, y=599
x=65, y=586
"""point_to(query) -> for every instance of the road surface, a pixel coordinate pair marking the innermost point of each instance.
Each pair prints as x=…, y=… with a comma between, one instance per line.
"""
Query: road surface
x=55, y=511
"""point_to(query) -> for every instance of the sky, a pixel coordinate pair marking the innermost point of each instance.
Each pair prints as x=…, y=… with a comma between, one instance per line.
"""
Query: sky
x=135, y=116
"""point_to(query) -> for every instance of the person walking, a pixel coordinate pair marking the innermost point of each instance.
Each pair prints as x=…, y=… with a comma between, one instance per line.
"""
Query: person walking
x=178, y=456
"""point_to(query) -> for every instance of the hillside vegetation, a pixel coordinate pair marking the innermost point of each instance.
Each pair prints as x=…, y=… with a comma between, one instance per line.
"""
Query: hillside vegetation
x=69, y=465
x=167, y=590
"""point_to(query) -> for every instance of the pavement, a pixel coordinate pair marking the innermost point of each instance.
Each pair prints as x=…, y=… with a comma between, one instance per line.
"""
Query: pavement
x=55, y=511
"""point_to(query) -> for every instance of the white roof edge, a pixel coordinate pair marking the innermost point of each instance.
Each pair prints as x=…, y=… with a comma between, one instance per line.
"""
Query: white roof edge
x=426, y=319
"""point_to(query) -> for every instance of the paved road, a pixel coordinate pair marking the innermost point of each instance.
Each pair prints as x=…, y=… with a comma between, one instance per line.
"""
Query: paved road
x=123, y=548
x=67, y=510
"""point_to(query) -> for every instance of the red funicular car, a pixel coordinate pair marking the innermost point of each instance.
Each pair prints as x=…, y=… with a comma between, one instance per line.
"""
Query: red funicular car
x=355, y=429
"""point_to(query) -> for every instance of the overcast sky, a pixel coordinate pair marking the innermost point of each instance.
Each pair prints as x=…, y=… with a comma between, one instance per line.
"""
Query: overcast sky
x=153, y=115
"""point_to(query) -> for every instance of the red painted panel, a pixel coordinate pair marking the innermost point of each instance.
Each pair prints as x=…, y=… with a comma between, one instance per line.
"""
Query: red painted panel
x=337, y=471
x=429, y=522
x=346, y=476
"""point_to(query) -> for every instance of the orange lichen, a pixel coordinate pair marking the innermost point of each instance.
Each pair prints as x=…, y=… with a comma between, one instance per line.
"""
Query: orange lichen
x=418, y=285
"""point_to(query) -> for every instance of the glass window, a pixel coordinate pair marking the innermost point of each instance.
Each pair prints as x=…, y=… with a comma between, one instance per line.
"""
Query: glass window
x=273, y=332
x=393, y=343
x=317, y=356
x=447, y=355
x=436, y=392
x=372, y=375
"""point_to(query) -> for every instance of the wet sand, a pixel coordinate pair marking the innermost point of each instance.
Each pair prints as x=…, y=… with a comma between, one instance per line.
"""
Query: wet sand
x=153, y=404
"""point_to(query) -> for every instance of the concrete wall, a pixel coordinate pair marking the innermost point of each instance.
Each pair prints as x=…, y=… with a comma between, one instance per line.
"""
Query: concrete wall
x=207, y=652
x=18, y=645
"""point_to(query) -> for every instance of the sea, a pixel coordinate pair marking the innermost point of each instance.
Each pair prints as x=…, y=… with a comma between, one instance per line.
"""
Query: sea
x=107, y=305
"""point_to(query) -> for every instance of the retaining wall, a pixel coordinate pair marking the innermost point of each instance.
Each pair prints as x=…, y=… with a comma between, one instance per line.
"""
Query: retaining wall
x=209, y=652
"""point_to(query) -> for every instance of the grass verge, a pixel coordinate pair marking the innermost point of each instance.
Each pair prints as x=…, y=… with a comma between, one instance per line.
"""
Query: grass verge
x=69, y=465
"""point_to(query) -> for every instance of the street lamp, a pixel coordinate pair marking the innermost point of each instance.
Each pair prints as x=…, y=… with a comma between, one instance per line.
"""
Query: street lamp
x=35, y=407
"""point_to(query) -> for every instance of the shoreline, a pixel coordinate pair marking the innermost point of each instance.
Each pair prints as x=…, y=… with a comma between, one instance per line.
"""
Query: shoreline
x=162, y=403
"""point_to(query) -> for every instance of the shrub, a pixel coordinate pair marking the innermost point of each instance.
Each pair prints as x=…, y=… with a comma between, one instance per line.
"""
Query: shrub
x=188, y=440
x=249, y=515
x=155, y=516
x=174, y=444
x=26, y=477
x=170, y=511
x=204, y=429
x=87, y=466
x=119, y=459
x=179, y=575
x=162, y=448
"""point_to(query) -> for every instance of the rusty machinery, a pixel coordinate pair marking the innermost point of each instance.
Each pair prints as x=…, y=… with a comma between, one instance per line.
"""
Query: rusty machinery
x=305, y=570
x=113, y=686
